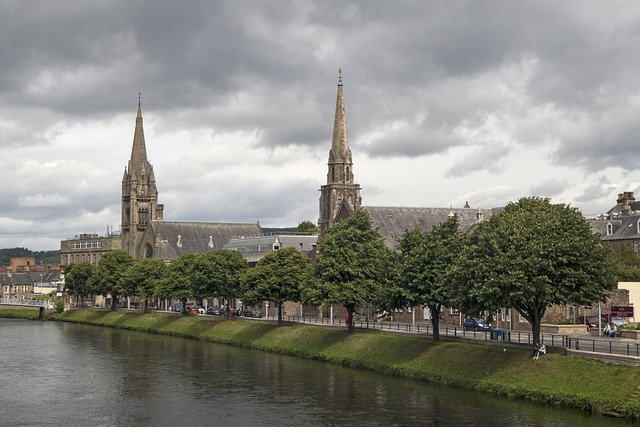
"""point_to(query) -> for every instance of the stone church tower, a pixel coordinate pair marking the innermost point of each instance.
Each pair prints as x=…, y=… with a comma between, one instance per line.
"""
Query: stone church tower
x=340, y=192
x=139, y=195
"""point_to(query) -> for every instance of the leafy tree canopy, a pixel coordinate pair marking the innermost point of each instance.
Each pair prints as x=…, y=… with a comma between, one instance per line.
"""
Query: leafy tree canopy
x=529, y=256
x=219, y=274
x=180, y=281
x=77, y=277
x=108, y=274
x=353, y=265
x=142, y=277
x=425, y=261
x=278, y=277
x=626, y=263
x=307, y=227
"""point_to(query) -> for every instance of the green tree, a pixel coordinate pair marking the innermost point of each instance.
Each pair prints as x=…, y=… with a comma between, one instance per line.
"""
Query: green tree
x=142, y=278
x=626, y=263
x=530, y=256
x=278, y=277
x=77, y=277
x=180, y=281
x=424, y=264
x=306, y=227
x=353, y=266
x=107, y=275
x=219, y=274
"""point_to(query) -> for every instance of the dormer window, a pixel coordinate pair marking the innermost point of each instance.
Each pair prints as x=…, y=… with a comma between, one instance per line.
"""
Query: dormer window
x=638, y=227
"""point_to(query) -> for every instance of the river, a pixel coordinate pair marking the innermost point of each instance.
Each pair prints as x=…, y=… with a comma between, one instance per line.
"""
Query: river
x=63, y=374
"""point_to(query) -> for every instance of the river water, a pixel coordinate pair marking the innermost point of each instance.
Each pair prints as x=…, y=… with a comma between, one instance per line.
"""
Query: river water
x=55, y=374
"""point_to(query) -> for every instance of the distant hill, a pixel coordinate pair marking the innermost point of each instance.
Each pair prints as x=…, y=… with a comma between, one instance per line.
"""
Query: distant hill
x=42, y=257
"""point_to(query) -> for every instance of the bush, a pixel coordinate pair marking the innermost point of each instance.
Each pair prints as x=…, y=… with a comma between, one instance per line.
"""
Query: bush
x=58, y=307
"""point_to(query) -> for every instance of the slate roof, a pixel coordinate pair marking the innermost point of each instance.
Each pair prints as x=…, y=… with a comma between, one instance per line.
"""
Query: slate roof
x=180, y=237
x=623, y=227
x=249, y=246
x=165, y=251
x=47, y=276
x=15, y=279
x=392, y=222
x=634, y=206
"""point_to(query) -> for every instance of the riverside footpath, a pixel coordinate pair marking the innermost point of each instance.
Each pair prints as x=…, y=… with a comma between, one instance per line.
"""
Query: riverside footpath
x=616, y=350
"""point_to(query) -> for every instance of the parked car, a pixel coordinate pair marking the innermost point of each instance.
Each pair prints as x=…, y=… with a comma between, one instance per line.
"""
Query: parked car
x=201, y=310
x=476, y=324
x=176, y=307
x=618, y=321
x=193, y=309
x=253, y=313
x=591, y=321
x=214, y=310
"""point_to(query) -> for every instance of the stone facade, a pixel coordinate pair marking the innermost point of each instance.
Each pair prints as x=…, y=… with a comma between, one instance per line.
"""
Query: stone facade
x=88, y=248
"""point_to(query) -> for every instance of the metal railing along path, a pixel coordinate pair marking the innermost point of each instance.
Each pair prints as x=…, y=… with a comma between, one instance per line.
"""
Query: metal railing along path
x=24, y=302
x=605, y=345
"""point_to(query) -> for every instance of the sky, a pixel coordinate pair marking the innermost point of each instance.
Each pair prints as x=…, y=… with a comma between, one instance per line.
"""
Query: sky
x=447, y=102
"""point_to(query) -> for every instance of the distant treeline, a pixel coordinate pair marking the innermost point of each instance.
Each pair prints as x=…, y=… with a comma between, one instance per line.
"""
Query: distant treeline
x=42, y=257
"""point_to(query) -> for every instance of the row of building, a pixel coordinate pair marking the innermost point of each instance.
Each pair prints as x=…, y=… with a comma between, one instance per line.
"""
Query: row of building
x=25, y=279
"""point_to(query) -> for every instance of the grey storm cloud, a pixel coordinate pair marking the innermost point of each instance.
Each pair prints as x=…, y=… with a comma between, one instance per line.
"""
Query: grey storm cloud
x=422, y=80
x=548, y=188
x=488, y=157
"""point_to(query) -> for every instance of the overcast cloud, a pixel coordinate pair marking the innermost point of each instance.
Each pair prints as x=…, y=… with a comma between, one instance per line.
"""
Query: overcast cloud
x=447, y=102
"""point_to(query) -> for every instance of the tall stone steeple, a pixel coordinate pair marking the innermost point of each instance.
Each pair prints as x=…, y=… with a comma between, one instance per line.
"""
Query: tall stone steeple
x=139, y=195
x=340, y=192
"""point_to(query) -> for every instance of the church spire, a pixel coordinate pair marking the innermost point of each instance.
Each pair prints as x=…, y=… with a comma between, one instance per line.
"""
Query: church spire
x=340, y=142
x=340, y=192
x=139, y=195
x=139, y=149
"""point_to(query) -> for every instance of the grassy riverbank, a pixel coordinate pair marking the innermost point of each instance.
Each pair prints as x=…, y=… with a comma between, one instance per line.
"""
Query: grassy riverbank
x=554, y=378
x=19, y=313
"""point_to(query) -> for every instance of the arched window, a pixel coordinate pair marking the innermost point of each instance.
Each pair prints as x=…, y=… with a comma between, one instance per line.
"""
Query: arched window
x=609, y=229
x=148, y=251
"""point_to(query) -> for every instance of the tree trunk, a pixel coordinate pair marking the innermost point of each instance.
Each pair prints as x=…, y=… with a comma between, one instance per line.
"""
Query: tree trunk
x=435, y=321
x=535, y=326
x=350, y=309
x=279, y=312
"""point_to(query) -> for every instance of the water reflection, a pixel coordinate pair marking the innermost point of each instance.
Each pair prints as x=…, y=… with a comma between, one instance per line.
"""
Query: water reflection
x=83, y=375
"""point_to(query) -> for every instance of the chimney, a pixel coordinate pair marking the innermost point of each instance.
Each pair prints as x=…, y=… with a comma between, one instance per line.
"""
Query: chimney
x=625, y=199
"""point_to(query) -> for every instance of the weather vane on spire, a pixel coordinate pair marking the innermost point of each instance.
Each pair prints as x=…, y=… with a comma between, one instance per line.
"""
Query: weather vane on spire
x=340, y=75
x=139, y=96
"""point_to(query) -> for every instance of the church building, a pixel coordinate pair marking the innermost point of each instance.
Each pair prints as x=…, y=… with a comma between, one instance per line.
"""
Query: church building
x=145, y=233
x=340, y=197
